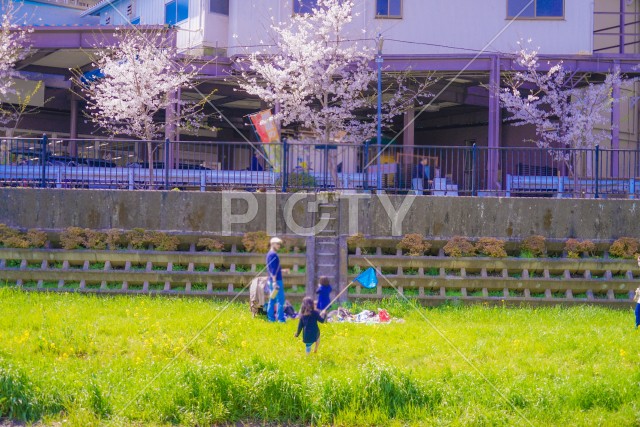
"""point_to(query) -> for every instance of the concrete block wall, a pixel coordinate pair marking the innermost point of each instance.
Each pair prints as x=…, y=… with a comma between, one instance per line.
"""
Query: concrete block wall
x=233, y=213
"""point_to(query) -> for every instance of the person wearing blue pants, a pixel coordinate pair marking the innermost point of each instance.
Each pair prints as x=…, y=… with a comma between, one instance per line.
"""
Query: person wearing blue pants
x=276, y=287
x=636, y=298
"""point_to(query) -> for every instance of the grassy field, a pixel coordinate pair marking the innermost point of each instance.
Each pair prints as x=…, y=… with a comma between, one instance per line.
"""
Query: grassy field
x=83, y=360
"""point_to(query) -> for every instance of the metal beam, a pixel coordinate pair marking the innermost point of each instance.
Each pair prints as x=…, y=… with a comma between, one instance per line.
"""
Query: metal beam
x=36, y=56
x=83, y=37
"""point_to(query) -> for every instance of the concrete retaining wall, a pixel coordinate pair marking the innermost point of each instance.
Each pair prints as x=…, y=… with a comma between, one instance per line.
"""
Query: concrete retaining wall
x=238, y=212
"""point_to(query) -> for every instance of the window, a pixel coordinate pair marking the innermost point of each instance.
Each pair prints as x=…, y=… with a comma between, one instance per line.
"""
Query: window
x=219, y=6
x=388, y=8
x=304, y=6
x=537, y=9
x=176, y=11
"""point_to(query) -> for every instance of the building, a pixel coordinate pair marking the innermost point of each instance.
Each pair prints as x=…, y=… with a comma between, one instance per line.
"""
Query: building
x=466, y=44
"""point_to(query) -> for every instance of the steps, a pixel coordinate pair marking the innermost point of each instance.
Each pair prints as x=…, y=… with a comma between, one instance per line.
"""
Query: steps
x=326, y=244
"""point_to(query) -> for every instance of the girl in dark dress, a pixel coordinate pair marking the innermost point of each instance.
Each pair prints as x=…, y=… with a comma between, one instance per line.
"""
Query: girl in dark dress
x=308, y=324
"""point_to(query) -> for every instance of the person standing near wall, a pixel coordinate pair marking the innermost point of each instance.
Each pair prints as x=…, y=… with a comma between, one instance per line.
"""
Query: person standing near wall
x=276, y=287
x=418, y=175
x=636, y=298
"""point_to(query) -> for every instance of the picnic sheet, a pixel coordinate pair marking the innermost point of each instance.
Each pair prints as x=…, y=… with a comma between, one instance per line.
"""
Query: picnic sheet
x=365, y=316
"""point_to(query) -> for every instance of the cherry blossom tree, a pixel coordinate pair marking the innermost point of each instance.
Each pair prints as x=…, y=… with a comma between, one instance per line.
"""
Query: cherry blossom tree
x=13, y=47
x=138, y=80
x=323, y=82
x=566, y=112
x=12, y=114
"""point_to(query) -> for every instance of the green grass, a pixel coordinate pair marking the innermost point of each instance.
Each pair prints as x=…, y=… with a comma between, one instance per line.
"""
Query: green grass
x=83, y=360
x=71, y=285
x=96, y=266
x=432, y=271
x=198, y=287
x=13, y=263
x=350, y=270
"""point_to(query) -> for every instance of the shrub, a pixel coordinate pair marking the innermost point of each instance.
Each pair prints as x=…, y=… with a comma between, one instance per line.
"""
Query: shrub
x=298, y=181
x=95, y=239
x=414, y=244
x=72, y=238
x=208, y=244
x=36, y=238
x=624, y=247
x=357, y=241
x=289, y=245
x=588, y=247
x=491, y=247
x=575, y=247
x=534, y=245
x=163, y=241
x=256, y=241
x=115, y=239
x=7, y=232
x=16, y=241
x=459, y=246
x=138, y=238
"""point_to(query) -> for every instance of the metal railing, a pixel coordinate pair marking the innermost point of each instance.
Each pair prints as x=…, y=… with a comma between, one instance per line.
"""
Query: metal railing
x=439, y=171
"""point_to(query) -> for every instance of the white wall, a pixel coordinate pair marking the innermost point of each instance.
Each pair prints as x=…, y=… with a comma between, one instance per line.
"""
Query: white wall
x=201, y=29
x=469, y=24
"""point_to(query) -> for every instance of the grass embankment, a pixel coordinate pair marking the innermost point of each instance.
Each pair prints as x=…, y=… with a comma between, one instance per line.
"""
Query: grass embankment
x=122, y=360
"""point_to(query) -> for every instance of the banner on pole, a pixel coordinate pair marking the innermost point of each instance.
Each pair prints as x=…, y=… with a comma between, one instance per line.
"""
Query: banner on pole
x=267, y=132
x=265, y=126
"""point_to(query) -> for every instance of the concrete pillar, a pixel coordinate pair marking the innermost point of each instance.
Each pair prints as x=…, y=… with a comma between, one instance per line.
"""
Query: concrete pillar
x=622, y=26
x=408, y=142
x=615, y=125
x=495, y=124
x=171, y=128
x=72, y=146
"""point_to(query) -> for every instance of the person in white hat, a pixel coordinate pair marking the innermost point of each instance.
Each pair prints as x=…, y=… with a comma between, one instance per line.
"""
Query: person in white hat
x=276, y=288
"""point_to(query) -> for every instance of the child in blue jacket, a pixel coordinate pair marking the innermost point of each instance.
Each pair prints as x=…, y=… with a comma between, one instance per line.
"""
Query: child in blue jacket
x=324, y=293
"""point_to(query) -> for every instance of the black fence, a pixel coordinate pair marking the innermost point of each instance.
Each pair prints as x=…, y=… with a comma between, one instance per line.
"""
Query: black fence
x=429, y=170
